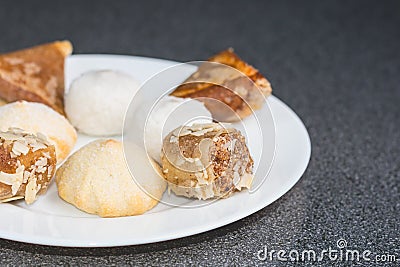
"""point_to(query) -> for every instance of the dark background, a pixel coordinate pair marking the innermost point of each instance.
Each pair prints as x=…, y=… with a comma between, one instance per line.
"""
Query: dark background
x=336, y=63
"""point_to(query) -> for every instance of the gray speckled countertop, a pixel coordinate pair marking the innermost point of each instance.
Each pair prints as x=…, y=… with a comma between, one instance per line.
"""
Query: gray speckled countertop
x=336, y=63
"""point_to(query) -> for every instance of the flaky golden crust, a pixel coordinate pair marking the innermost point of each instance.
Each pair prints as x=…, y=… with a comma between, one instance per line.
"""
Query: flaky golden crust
x=35, y=74
x=241, y=93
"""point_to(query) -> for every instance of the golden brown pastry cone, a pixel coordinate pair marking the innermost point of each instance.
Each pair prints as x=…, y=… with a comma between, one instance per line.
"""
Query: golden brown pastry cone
x=238, y=92
x=35, y=74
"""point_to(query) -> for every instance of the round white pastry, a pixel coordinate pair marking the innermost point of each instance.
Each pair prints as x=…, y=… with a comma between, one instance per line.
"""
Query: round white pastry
x=97, y=180
x=97, y=101
x=169, y=113
x=38, y=118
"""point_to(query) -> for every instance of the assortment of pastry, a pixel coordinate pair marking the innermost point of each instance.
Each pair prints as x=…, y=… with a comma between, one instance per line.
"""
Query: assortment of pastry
x=201, y=159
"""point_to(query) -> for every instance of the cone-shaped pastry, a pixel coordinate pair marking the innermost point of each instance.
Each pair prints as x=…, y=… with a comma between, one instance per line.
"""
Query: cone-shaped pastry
x=233, y=82
x=35, y=74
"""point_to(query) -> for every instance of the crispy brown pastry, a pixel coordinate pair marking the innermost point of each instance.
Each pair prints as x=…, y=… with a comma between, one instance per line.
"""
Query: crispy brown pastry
x=236, y=92
x=35, y=74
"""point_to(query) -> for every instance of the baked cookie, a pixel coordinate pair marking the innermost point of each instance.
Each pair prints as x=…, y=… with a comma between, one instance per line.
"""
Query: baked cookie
x=36, y=117
x=97, y=180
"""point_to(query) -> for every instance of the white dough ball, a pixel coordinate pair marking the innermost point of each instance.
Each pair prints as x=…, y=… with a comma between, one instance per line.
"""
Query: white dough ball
x=97, y=101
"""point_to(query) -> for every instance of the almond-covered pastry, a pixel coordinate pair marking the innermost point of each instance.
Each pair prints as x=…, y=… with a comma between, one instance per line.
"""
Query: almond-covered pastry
x=37, y=117
x=237, y=87
x=206, y=161
x=27, y=164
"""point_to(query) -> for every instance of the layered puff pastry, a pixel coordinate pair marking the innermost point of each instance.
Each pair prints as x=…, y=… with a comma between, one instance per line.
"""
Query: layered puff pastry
x=230, y=88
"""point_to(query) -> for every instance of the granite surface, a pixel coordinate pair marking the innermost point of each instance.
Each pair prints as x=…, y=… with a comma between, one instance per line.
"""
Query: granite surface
x=336, y=63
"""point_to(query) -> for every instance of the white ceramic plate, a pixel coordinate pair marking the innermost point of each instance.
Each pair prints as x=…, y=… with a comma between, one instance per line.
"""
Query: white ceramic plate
x=51, y=221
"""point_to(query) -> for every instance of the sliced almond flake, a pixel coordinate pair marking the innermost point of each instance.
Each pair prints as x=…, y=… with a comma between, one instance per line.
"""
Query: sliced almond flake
x=42, y=138
x=30, y=191
x=38, y=146
x=236, y=178
x=202, y=132
x=20, y=147
x=199, y=127
x=31, y=140
x=33, y=168
x=32, y=173
x=205, y=173
x=42, y=161
x=184, y=132
x=13, y=179
x=17, y=153
x=16, y=130
x=245, y=182
x=232, y=146
x=26, y=177
x=11, y=199
x=173, y=139
x=49, y=171
x=10, y=136
x=15, y=187
x=41, y=169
